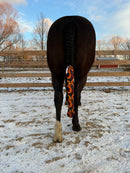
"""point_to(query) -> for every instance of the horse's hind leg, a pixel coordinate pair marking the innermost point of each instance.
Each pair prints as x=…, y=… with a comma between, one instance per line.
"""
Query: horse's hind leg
x=75, y=120
x=77, y=101
x=80, y=86
x=66, y=101
x=58, y=99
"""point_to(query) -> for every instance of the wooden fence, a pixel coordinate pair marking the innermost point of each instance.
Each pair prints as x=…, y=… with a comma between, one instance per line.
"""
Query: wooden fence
x=22, y=63
x=43, y=63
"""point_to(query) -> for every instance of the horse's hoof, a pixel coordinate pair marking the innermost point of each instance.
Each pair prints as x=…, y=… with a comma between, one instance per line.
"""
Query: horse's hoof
x=57, y=139
x=58, y=132
x=76, y=128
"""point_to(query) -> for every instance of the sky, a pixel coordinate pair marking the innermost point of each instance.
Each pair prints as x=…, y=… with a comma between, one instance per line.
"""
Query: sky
x=109, y=17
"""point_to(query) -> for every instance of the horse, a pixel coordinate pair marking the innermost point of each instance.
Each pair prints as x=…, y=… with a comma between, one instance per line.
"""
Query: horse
x=70, y=44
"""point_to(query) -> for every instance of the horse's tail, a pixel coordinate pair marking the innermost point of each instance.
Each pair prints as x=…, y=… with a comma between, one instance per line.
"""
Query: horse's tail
x=70, y=52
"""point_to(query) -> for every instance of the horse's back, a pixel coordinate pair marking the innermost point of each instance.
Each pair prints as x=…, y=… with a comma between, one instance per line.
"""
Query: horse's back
x=84, y=45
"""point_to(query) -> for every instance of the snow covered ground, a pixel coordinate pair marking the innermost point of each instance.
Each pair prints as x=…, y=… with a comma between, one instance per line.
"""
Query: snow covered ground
x=27, y=121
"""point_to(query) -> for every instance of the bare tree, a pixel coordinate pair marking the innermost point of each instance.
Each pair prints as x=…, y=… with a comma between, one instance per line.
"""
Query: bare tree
x=40, y=33
x=99, y=45
x=126, y=46
x=116, y=42
x=9, y=28
x=22, y=43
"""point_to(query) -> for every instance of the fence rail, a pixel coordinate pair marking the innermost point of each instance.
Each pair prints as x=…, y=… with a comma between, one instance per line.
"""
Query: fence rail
x=23, y=52
x=113, y=52
x=43, y=52
x=92, y=74
x=43, y=85
x=43, y=63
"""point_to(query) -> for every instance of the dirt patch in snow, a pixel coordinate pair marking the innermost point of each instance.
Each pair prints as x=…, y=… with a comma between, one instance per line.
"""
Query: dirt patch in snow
x=27, y=122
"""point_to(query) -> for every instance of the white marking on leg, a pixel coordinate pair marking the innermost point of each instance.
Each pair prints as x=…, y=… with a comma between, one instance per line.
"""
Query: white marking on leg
x=58, y=132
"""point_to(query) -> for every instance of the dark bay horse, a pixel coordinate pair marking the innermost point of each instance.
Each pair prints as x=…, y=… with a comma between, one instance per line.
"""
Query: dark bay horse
x=71, y=42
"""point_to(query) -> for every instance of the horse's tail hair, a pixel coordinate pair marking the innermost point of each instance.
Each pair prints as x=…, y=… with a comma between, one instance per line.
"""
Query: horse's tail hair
x=70, y=52
x=70, y=43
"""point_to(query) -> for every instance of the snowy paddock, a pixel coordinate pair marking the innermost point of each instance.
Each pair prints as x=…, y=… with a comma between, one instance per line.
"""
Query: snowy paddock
x=27, y=121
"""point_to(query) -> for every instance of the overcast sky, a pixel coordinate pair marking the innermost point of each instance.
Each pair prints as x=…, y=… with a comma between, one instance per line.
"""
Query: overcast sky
x=109, y=17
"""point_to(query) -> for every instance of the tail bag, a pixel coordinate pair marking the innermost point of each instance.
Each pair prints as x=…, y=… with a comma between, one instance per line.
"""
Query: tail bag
x=70, y=91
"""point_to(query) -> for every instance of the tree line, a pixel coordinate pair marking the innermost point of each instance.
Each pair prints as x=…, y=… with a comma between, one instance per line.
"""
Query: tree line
x=11, y=37
x=114, y=43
